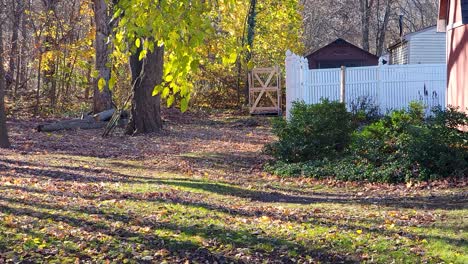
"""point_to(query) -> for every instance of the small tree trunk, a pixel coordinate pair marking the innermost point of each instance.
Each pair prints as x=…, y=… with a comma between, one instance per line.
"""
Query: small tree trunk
x=102, y=99
x=18, y=75
x=14, y=40
x=50, y=42
x=88, y=83
x=23, y=80
x=365, y=19
x=4, y=142
x=382, y=30
x=145, y=115
x=53, y=84
x=38, y=88
x=251, y=27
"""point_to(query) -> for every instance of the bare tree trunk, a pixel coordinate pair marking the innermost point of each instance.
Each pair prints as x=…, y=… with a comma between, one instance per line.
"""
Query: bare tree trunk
x=18, y=75
x=365, y=9
x=50, y=42
x=145, y=116
x=102, y=99
x=38, y=88
x=4, y=142
x=23, y=79
x=382, y=29
x=89, y=83
x=53, y=83
x=17, y=6
x=251, y=25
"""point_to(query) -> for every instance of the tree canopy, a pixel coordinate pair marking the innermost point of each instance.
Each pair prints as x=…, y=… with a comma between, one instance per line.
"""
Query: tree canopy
x=201, y=34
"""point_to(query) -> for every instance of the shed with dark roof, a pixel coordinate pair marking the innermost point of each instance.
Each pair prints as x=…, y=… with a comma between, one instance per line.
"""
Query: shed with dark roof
x=340, y=53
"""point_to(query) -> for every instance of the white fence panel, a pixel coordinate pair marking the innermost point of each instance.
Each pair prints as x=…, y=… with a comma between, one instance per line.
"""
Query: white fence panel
x=389, y=86
x=360, y=82
x=323, y=84
x=402, y=84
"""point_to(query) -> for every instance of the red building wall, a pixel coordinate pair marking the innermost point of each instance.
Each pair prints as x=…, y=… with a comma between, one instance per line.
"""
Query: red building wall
x=457, y=57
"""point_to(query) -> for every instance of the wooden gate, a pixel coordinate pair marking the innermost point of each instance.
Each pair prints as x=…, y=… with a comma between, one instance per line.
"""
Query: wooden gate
x=265, y=91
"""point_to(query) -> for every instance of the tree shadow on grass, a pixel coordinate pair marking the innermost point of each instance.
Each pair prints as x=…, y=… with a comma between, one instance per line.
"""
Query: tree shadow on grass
x=149, y=242
x=228, y=161
x=69, y=173
x=368, y=225
x=321, y=220
x=448, y=202
x=237, y=238
x=456, y=201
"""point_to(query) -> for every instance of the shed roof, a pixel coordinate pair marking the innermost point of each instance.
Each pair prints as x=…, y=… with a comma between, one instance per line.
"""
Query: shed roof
x=342, y=42
x=408, y=36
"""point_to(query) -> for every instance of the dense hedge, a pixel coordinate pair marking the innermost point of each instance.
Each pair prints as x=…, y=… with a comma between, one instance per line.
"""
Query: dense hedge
x=319, y=141
x=313, y=132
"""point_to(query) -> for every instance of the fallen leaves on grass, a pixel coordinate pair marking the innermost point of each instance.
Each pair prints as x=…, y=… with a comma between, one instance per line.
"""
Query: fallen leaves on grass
x=196, y=193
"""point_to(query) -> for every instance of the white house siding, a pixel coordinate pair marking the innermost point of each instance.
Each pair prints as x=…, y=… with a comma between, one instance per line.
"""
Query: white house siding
x=427, y=47
x=399, y=54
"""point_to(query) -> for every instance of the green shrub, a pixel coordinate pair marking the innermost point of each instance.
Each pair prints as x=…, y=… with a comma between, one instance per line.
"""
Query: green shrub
x=347, y=168
x=380, y=141
x=364, y=111
x=421, y=148
x=402, y=146
x=312, y=133
x=438, y=146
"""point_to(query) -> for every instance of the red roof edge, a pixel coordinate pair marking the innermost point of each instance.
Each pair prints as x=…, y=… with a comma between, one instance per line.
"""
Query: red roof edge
x=442, y=17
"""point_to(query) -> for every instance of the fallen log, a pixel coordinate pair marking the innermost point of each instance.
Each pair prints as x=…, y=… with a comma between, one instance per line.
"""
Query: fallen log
x=70, y=125
x=87, y=123
x=104, y=115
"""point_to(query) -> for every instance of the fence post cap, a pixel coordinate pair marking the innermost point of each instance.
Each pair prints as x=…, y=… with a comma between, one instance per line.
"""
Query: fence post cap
x=289, y=53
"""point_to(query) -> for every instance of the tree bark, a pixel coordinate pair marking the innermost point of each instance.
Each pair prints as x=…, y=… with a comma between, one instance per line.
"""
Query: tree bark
x=23, y=77
x=365, y=8
x=88, y=83
x=102, y=99
x=38, y=88
x=382, y=29
x=104, y=116
x=18, y=75
x=145, y=115
x=50, y=42
x=87, y=123
x=99, y=120
x=17, y=11
x=4, y=142
x=251, y=25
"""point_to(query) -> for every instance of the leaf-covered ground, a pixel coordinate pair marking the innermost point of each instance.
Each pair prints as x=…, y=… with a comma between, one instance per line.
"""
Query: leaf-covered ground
x=196, y=194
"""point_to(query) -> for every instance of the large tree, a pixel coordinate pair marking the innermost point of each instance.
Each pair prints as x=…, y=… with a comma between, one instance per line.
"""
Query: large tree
x=145, y=109
x=146, y=27
x=4, y=142
x=102, y=99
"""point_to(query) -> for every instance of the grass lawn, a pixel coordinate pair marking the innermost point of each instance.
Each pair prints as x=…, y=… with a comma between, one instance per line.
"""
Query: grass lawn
x=197, y=194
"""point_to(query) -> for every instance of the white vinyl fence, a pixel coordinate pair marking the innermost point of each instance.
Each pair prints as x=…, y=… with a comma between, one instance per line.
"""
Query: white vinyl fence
x=388, y=86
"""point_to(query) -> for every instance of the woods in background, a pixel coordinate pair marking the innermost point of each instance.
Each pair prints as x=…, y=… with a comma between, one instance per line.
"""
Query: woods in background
x=370, y=24
x=57, y=52
x=66, y=58
x=48, y=51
